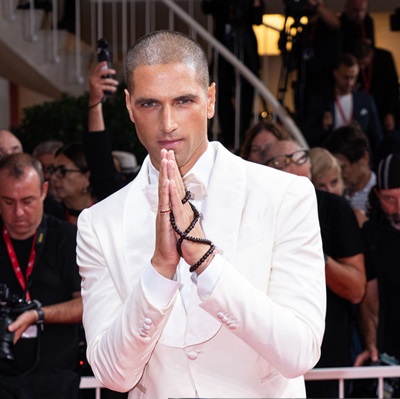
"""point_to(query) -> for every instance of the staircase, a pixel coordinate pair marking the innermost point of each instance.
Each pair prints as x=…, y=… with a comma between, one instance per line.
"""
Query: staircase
x=52, y=62
x=42, y=59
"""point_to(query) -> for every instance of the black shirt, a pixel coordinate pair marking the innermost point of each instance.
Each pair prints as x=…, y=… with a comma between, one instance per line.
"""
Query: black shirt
x=382, y=260
x=341, y=238
x=54, y=278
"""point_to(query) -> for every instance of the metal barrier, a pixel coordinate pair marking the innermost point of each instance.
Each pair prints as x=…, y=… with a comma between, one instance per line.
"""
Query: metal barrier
x=340, y=373
x=354, y=373
x=91, y=383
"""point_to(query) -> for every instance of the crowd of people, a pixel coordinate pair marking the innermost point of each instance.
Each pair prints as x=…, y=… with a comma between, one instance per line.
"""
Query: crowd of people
x=234, y=304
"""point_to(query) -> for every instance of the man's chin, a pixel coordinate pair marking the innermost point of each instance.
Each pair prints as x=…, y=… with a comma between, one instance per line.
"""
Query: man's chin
x=20, y=232
x=395, y=220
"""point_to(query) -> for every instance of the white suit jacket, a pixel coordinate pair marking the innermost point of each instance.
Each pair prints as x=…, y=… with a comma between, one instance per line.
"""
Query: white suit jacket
x=260, y=329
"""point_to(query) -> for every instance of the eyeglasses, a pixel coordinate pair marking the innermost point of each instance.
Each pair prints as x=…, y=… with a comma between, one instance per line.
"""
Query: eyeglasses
x=281, y=162
x=61, y=171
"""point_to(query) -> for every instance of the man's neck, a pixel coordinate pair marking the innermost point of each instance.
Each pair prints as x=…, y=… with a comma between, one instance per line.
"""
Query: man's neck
x=80, y=202
x=339, y=92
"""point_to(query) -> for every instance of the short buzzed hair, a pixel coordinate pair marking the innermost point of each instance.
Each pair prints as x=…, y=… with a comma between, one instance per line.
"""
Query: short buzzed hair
x=17, y=164
x=346, y=59
x=167, y=47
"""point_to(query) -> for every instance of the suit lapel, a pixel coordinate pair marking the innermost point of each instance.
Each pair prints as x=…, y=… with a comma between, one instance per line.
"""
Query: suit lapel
x=356, y=106
x=225, y=201
x=138, y=222
x=222, y=216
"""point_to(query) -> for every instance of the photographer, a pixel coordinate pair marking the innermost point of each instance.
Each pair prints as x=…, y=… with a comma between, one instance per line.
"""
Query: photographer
x=356, y=25
x=379, y=308
x=37, y=254
x=316, y=49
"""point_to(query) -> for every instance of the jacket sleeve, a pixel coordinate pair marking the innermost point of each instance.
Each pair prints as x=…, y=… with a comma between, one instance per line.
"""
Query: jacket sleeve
x=121, y=333
x=285, y=322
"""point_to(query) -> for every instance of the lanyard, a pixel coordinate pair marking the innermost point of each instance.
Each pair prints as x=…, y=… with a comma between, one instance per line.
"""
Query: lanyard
x=346, y=121
x=14, y=262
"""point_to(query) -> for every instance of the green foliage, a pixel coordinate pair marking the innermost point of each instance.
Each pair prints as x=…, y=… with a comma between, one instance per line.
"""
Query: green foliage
x=66, y=120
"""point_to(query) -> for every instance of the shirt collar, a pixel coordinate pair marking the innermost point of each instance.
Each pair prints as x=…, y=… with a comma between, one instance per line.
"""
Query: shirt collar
x=201, y=169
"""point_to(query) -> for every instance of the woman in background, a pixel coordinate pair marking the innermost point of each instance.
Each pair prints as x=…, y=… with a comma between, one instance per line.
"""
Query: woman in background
x=258, y=137
x=326, y=175
x=70, y=180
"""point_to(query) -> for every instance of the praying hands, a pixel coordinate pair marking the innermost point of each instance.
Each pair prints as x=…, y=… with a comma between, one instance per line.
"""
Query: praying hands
x=174, y=207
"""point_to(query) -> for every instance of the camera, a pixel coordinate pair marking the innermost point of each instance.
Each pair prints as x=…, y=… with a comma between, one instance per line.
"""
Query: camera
x=11, y=306
x=395, y=20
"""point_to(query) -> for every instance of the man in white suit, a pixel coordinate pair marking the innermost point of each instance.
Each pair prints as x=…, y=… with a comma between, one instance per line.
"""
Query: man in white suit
x=249, y=319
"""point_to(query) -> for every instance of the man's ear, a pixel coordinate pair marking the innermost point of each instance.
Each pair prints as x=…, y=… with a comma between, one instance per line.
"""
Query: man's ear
x=365, y=158
x=45, y=189
x=128, y=105
x=211, y=94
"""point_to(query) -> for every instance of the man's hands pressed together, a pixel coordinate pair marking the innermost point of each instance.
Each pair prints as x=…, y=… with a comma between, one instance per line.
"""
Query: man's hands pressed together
x=171, y=193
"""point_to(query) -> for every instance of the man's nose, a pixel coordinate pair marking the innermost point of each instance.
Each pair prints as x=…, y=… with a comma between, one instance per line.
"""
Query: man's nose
x=19, y=209
x=168, y=122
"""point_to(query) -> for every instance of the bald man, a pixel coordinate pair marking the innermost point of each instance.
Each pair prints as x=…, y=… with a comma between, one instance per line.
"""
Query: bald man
x=287, y=155
x=9, y=144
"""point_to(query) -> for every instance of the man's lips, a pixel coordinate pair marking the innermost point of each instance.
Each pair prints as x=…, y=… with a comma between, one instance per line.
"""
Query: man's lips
x=169, y=144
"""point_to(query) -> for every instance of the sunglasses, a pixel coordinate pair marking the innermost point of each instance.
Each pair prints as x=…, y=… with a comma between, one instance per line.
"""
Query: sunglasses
x=61, y=171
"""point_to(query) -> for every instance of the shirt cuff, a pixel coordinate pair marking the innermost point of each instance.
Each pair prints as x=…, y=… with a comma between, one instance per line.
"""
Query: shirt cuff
x=208, y=279
x=158, y=289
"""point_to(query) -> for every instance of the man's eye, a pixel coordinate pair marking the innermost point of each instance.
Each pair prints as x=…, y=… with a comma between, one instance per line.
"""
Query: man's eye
x=148, y=104
x=184, y=101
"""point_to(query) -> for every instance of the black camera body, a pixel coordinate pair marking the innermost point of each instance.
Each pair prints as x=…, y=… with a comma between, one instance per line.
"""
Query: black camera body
x=11, y=306
x=395, y=20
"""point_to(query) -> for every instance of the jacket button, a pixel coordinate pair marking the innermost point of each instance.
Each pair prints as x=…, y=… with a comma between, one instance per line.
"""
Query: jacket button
x=148, y=321
x=232, y=326
x=220, y=315
x=143, y=335
x=192, y=355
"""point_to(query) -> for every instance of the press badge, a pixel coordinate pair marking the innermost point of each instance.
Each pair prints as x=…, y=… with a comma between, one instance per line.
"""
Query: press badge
x=30, y=332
